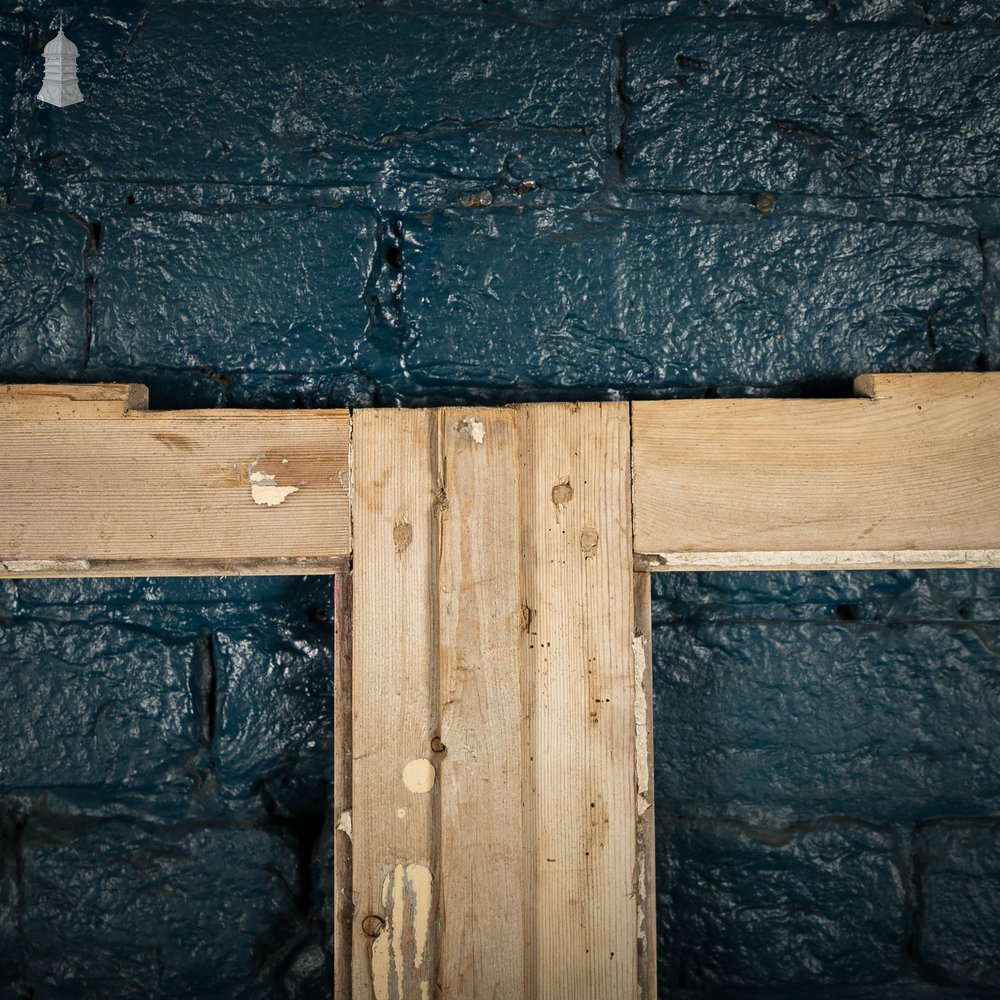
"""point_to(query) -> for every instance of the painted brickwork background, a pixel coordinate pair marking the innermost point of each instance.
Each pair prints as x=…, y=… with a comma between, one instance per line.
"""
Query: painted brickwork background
x=347, y=203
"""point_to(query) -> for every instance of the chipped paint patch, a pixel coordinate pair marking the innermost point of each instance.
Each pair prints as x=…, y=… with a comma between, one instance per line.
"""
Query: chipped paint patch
x=344, y=824
x=822, y=559
x=264, y=487
x=641, y=932
x=419, y=775
x=641, y=725
x=474, y=428
x=43, y=565
x=401, y=955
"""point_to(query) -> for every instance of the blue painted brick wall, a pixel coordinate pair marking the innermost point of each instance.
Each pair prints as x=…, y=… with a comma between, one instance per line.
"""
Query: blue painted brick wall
x=339, y=203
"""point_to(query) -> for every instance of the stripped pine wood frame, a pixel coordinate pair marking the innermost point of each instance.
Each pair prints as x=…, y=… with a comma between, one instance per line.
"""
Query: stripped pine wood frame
x=493, y=788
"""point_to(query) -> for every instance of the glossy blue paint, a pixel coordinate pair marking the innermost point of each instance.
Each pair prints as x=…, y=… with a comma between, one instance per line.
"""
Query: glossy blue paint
x=349, y=203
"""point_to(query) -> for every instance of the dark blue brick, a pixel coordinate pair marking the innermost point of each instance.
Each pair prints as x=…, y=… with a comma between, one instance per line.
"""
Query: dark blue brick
x=855, y=111
x=120, y=909
x=315, y=96
x=275, y=708
x=511, y=303
x=803, y=906
x=92, y=704
x=10, y=943
x=886, y=598
x=11, y=44
x=990, y=356
x=223, y=686
x=234, y=295
x=765, y=717
x=959, y=878
x=43, y=324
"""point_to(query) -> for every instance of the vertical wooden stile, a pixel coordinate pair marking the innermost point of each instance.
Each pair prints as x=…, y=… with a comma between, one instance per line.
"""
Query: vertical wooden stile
x=500, y=694
x=395, y=704
x=580, y=792
x=480, y=695
x=343, y=899
x=645, y=874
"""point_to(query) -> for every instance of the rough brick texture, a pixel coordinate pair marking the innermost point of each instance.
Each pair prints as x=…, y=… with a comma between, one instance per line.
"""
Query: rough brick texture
x=958, y=871
x=292, y=203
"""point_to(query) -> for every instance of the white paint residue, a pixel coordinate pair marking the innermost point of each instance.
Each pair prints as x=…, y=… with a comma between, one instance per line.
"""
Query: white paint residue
x=265, y=490
x=344, y=824
x=474, y=428
x=641, y=913
x=420, y=883
x=43, y=565
x=400, y=950
x=419, y=775
x=825, y=559
x=641, y=725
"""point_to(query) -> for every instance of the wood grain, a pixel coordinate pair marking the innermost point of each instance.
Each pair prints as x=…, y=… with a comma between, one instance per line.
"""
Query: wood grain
x=494, y=621
x=170, y=492
x=61, y=402
x=343, y=892
x=481, y=836
x=580, y=825
x=395, y=702
x=908, y=476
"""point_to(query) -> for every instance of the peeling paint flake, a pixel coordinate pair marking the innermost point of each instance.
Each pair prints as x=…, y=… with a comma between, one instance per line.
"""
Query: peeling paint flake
x=344, y=824
x=641, y=725
x=474, y=428
x=264, y=488
x=43, y=565
x=402, y=954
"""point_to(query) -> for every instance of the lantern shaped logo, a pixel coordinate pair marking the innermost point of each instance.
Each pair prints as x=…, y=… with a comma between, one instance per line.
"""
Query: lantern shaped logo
x=59, y=86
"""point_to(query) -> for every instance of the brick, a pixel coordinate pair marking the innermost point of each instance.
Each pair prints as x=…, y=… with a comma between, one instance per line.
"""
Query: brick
x=768, y=718
x=873, y=598
x=11, y=40
x=990, y=356
x=315, y=96
x=92, y=705
x=851, y=111
x=745, y=906
x=233, y=295
x=10, y=944
x=275, y=708
x=511, y=304
x=43, y=322
x=228, y=687
x=958, y=873
x=120, y=909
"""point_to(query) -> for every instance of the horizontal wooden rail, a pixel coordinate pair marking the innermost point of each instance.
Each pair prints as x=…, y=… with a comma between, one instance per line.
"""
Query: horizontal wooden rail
x=91, y=484
x=905, y=476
